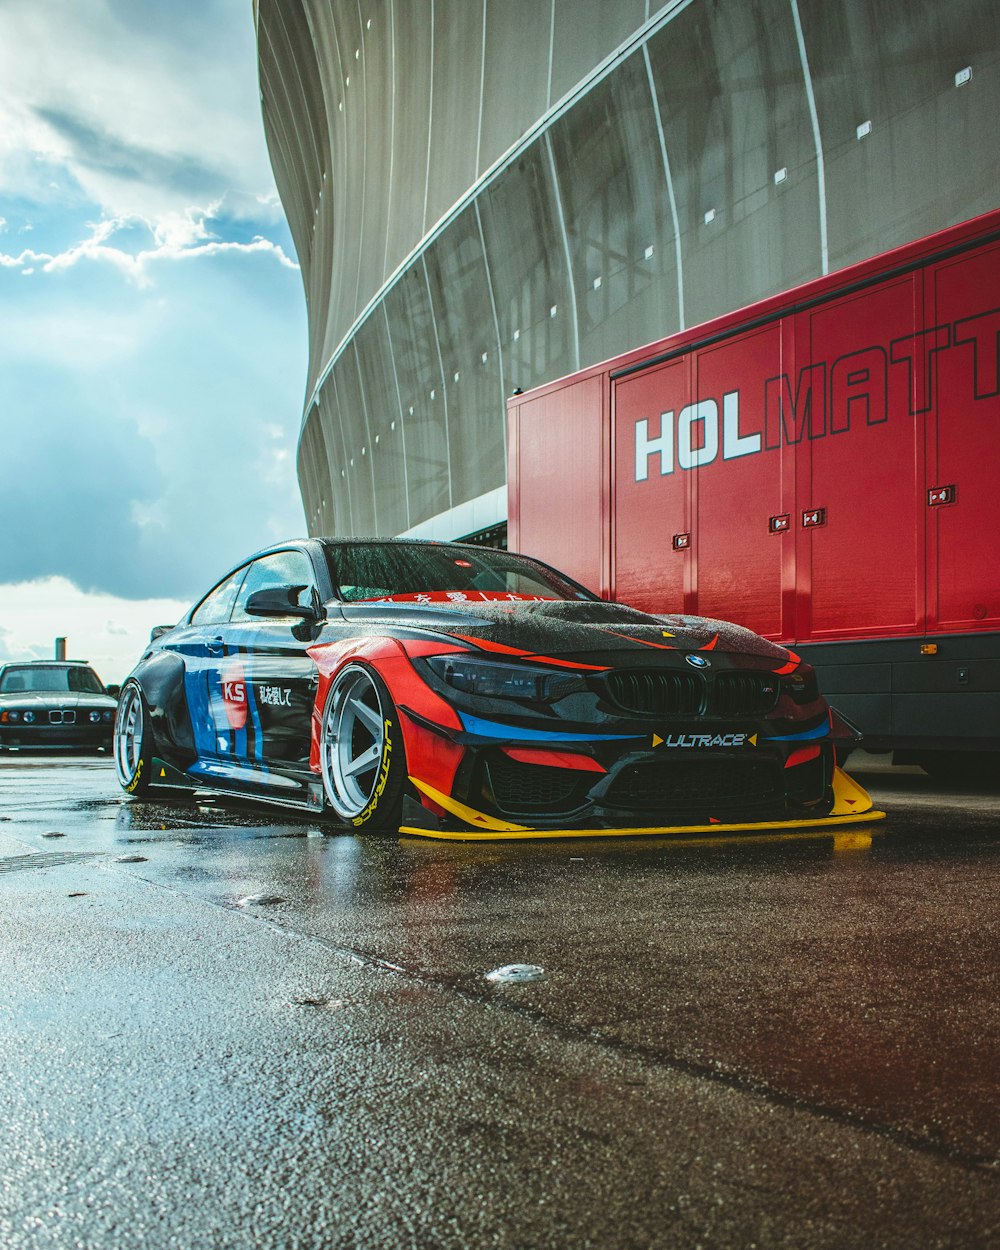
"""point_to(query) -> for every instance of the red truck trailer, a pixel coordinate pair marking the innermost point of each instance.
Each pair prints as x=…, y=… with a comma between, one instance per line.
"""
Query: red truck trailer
x=821, y=467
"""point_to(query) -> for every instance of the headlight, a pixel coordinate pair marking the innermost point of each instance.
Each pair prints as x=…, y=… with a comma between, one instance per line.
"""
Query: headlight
x=503, y=681
x=802, y=685
x=10, y=718
x=107, y=717
x=29, y=718
x=94, y=718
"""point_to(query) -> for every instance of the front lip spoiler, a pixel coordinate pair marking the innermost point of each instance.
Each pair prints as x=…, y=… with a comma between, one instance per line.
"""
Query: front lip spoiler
x=820, y=824
x=852, y=806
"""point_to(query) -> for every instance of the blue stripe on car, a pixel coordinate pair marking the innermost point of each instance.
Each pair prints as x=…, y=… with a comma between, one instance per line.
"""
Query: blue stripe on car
x=514, y=733
x=820, y=731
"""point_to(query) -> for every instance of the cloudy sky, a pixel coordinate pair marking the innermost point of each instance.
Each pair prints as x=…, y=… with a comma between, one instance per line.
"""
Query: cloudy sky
x=152, y=324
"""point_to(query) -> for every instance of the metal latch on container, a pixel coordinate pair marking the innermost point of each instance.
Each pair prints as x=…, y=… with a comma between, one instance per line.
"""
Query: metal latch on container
x=938, y=495
x=779, y=524
x=682, y=542
x=813, y=517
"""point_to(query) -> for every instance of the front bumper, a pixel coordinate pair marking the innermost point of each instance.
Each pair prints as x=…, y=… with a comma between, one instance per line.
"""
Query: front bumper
x=852, y=805
x=56, y=737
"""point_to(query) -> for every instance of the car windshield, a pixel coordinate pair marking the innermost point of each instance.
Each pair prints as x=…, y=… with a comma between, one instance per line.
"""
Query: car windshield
x=440, y=573
x=38, y=678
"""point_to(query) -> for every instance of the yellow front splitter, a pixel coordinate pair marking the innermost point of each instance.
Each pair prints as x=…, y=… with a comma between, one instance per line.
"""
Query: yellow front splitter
x=497, y=835
x=852, y=806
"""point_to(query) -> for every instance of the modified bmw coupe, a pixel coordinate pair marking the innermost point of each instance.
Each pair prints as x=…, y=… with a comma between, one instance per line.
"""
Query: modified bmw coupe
x=458, y=691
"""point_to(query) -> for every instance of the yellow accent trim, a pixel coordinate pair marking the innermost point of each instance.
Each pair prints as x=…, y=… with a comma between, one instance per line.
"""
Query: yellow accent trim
x=753, y=740
x=657, y=740
x=849, y=798
x=667, y=634
x=517, y=831
x=851, y=842
x=468, y=814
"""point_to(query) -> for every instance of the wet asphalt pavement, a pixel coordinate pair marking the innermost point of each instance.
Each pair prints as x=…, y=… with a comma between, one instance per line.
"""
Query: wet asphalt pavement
x=221, y=1028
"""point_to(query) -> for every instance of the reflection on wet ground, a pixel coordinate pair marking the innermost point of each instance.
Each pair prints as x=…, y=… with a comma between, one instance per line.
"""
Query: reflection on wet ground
x=854, y=973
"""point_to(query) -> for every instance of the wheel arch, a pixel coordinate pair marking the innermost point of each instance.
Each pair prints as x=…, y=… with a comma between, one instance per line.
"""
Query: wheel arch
x=160, y=677
x=430, y=756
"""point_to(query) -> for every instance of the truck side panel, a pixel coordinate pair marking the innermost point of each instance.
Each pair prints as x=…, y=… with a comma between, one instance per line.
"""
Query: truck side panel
x=863, y=567
x=742, y=567
x=559, y=473
x=965, y=572
x=652, y=515
x=821, y=468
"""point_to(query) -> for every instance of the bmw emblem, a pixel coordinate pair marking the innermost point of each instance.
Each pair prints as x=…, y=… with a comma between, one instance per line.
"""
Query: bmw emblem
x=697, y=661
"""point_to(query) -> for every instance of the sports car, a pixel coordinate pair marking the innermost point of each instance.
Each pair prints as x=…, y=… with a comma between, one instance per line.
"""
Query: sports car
x=458, y=691
x=54, y=703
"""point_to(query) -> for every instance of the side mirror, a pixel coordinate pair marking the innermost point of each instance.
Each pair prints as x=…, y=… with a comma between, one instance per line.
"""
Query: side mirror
x=113, y=690
x=281, y=601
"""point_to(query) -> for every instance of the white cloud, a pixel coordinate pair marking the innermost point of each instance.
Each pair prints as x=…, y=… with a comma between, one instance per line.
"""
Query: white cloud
x=138, y=102
x=152, y=332
x=111, y=633
x=178, y=236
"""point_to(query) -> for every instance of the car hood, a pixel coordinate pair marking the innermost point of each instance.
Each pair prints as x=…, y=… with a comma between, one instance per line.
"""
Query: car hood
x=561, y=627
x=57, y=698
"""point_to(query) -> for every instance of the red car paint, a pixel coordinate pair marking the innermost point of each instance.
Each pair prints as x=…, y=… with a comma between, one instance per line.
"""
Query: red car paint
x=430, y=756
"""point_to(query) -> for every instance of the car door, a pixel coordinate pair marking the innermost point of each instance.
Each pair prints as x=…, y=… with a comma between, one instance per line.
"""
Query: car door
x=199, y=642
x=264, y=682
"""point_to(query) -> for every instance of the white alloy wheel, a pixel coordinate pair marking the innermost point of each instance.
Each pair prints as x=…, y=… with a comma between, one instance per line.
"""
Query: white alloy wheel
x=129, y=739
x=361, y=756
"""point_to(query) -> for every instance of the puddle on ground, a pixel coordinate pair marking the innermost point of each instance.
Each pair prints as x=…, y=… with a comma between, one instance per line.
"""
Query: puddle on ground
x=260, y=900
x=516, y=974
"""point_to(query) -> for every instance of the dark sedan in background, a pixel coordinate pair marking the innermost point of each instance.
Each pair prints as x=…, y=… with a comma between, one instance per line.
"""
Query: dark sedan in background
x=54, y=703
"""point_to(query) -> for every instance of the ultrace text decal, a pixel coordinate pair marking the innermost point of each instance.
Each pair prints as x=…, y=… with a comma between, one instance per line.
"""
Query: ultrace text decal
x=130, y=788
x=699, y=741
x=383, y=777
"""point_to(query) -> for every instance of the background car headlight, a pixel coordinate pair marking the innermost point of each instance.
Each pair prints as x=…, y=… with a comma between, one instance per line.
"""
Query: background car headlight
x=10, y=718
x=107, y=717
x=94, y=718
x=29, y=718
x=503, y=681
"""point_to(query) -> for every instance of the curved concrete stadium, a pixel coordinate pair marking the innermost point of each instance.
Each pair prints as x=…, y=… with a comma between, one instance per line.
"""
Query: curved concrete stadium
x=488, y=194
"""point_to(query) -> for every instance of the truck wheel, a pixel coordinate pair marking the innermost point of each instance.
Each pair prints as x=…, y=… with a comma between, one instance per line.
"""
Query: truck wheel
x=361, y=752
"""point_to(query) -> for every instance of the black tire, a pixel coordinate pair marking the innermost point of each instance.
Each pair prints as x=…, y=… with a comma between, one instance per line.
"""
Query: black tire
x=362, y=759
x=132, y=741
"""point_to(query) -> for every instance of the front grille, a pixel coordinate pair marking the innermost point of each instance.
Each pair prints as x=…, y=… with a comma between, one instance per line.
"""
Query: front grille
x=705, y=787
x=62, y=718
x=666, y=692
x=657, y=692
x=519, y=787
x=743, y=694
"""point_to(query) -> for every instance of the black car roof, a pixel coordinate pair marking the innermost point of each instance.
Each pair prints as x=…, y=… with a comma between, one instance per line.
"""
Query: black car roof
x=46, y=664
